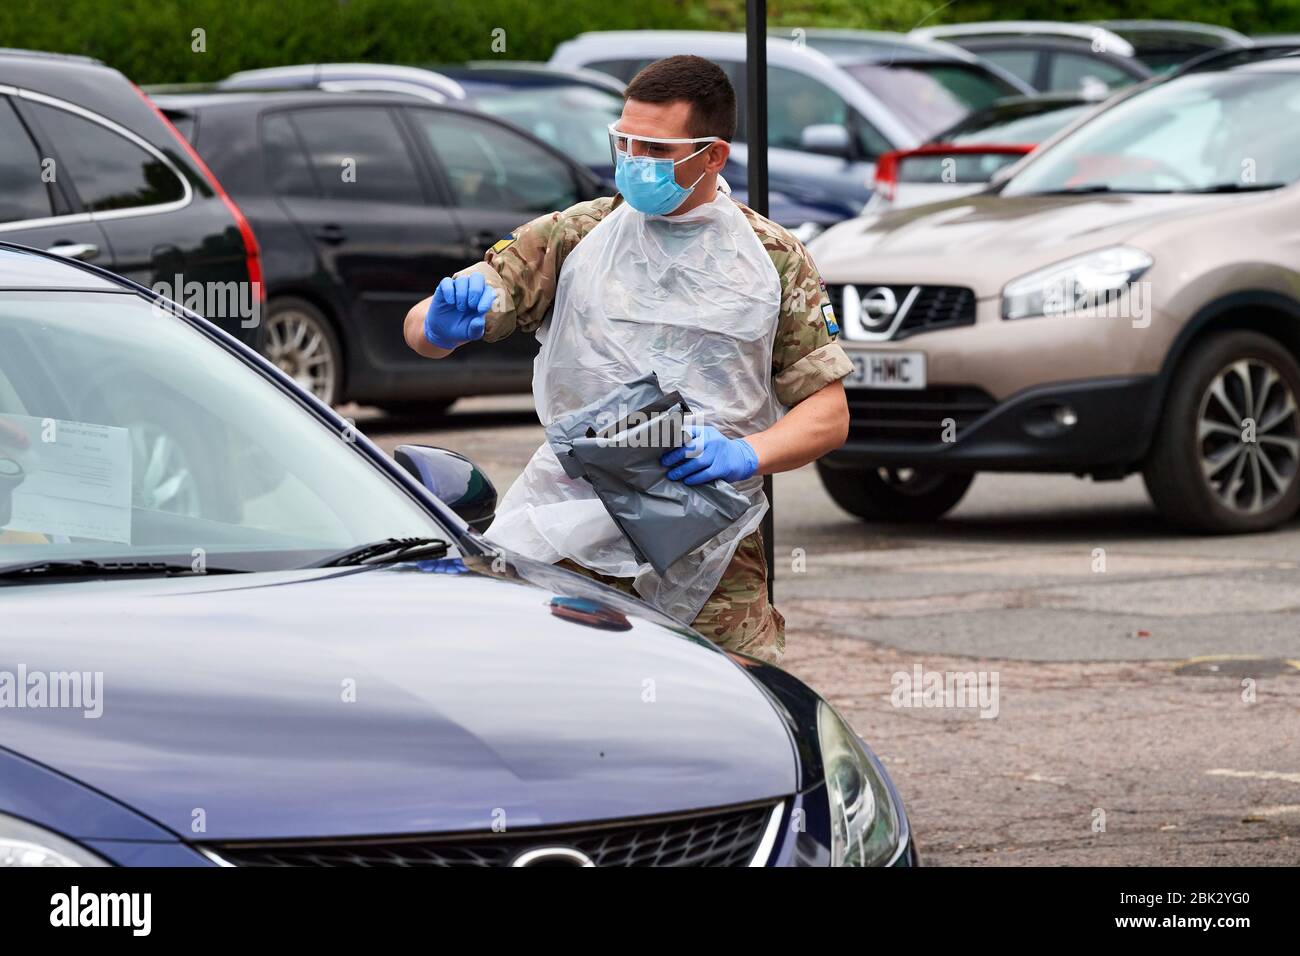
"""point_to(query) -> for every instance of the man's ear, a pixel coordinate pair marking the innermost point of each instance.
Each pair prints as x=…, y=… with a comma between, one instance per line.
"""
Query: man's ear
x=717, y=157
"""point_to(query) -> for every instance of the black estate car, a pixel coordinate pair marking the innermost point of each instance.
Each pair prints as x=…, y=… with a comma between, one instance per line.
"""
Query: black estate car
x=362, y=201
x=90, y=170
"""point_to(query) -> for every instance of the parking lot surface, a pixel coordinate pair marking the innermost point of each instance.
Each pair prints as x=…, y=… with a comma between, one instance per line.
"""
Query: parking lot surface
x=1143, y=700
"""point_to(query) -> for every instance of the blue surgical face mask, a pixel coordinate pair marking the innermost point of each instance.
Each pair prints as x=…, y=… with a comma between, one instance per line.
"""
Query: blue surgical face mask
x=650, y=185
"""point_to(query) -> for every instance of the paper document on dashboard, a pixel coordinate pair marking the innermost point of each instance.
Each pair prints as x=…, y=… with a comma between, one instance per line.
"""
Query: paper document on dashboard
x=76, y=478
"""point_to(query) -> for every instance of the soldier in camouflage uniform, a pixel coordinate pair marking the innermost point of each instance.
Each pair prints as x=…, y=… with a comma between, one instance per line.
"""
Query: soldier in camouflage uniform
x=524, y=268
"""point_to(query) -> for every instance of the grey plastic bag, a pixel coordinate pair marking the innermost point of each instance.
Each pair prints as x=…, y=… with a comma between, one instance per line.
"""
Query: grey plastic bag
x=663, y=520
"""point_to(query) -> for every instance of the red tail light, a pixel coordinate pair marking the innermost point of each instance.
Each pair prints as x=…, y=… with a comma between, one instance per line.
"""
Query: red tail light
x=887, y=174
x=252, y=252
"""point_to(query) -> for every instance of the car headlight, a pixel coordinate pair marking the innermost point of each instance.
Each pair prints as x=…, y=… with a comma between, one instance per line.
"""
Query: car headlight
x=865, y=825
x=1075, y=285
x=25, y=844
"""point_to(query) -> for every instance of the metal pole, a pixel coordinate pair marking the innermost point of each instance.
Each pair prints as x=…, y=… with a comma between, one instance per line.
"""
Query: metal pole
x=756, y=138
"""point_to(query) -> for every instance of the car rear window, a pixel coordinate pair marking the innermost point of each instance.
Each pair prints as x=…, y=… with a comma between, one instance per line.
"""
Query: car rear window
x=571, y=118
x=1033, y=128
x=956, y=168
x=622, y=69
x=1018, y=62
x=107, y=170
x=22, y=193
x=489, y=166
x=929, y=97
x=359, y=154
x=1075, y=73
x=288, y=169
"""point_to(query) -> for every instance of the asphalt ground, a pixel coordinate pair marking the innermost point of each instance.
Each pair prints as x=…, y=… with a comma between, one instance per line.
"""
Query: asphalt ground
x=1141, y=687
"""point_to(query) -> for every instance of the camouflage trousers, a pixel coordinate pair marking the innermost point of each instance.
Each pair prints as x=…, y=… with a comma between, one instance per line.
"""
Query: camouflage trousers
x=737, y=614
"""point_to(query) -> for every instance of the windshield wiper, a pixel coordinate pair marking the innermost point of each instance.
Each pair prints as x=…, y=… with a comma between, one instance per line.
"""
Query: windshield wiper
x=1093, y=188
x=390, y=549
x=1236, y=188
x=92, y=568
x=1073, y=190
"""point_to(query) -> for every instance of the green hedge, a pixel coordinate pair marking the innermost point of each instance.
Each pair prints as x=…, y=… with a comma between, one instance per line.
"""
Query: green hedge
x=152, y=40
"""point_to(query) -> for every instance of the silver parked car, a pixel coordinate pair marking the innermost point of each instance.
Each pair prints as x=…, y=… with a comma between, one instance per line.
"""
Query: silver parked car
x=1165, y=45
x=829, y=117
x=1052, y=57
x=349, y=78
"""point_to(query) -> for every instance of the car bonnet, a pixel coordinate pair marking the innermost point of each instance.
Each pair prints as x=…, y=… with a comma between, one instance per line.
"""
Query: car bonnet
x=985, y=240
x=400, y=699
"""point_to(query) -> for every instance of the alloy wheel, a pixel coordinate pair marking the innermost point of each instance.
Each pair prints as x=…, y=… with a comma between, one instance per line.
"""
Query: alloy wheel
x=300, y=348
x=1248, y=436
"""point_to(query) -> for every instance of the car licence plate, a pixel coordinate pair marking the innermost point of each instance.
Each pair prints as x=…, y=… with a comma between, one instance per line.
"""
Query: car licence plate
x=886, y=370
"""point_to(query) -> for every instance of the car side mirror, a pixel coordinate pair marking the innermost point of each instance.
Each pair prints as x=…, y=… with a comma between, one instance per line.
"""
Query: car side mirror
x=829, y=139
x=455, y=480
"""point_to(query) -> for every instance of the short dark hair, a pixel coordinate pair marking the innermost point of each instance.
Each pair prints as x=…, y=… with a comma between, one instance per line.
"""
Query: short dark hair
x=696, y=80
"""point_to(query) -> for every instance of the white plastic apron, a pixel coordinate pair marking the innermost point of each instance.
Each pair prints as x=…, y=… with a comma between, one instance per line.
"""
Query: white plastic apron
x=693, y=298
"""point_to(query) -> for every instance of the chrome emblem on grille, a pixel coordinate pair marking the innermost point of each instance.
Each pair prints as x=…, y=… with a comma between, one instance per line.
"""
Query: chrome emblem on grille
x=874, y=315
x=878, y=307
x=553, y=856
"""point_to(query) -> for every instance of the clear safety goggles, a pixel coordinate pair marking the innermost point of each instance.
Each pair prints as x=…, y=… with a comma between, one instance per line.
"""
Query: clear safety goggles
x=629, y=144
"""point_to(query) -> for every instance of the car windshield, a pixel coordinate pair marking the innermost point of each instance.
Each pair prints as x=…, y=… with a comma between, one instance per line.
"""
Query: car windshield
x=573, y=119
x=1030, y=126
x=928, y=97
x=1195, y=133
x=127, y=434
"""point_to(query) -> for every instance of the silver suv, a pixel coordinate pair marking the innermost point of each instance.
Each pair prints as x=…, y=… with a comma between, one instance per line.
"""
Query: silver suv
x=1127, y=299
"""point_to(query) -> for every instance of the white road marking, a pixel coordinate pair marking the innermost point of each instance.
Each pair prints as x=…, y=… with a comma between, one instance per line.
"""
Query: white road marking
x=1256, y=774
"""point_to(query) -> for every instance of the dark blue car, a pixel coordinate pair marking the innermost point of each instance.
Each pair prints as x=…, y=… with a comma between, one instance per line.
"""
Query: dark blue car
x=236, y=633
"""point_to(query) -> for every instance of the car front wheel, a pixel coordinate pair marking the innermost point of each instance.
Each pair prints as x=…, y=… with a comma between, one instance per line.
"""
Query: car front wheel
x=1225, y=457
x=894, y=494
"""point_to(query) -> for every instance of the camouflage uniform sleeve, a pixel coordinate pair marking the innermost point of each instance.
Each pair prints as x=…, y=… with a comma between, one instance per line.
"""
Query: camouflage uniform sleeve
x=524, y=267
x=805, y=356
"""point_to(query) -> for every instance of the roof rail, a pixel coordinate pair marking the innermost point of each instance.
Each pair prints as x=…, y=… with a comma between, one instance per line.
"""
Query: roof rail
x=45, y=54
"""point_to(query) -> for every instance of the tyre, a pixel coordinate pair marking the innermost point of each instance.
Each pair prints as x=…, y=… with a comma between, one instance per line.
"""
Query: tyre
x=301, y=342
x=1224, y=457
x=894, y=494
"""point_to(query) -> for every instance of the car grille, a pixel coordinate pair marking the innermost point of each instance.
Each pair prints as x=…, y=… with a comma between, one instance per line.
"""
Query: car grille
x=913, y=416
x=718, y=838
x=935, y=307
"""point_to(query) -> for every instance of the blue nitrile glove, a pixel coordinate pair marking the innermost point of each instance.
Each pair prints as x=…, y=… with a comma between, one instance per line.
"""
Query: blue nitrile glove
x=456, y=314
x=710, y=455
